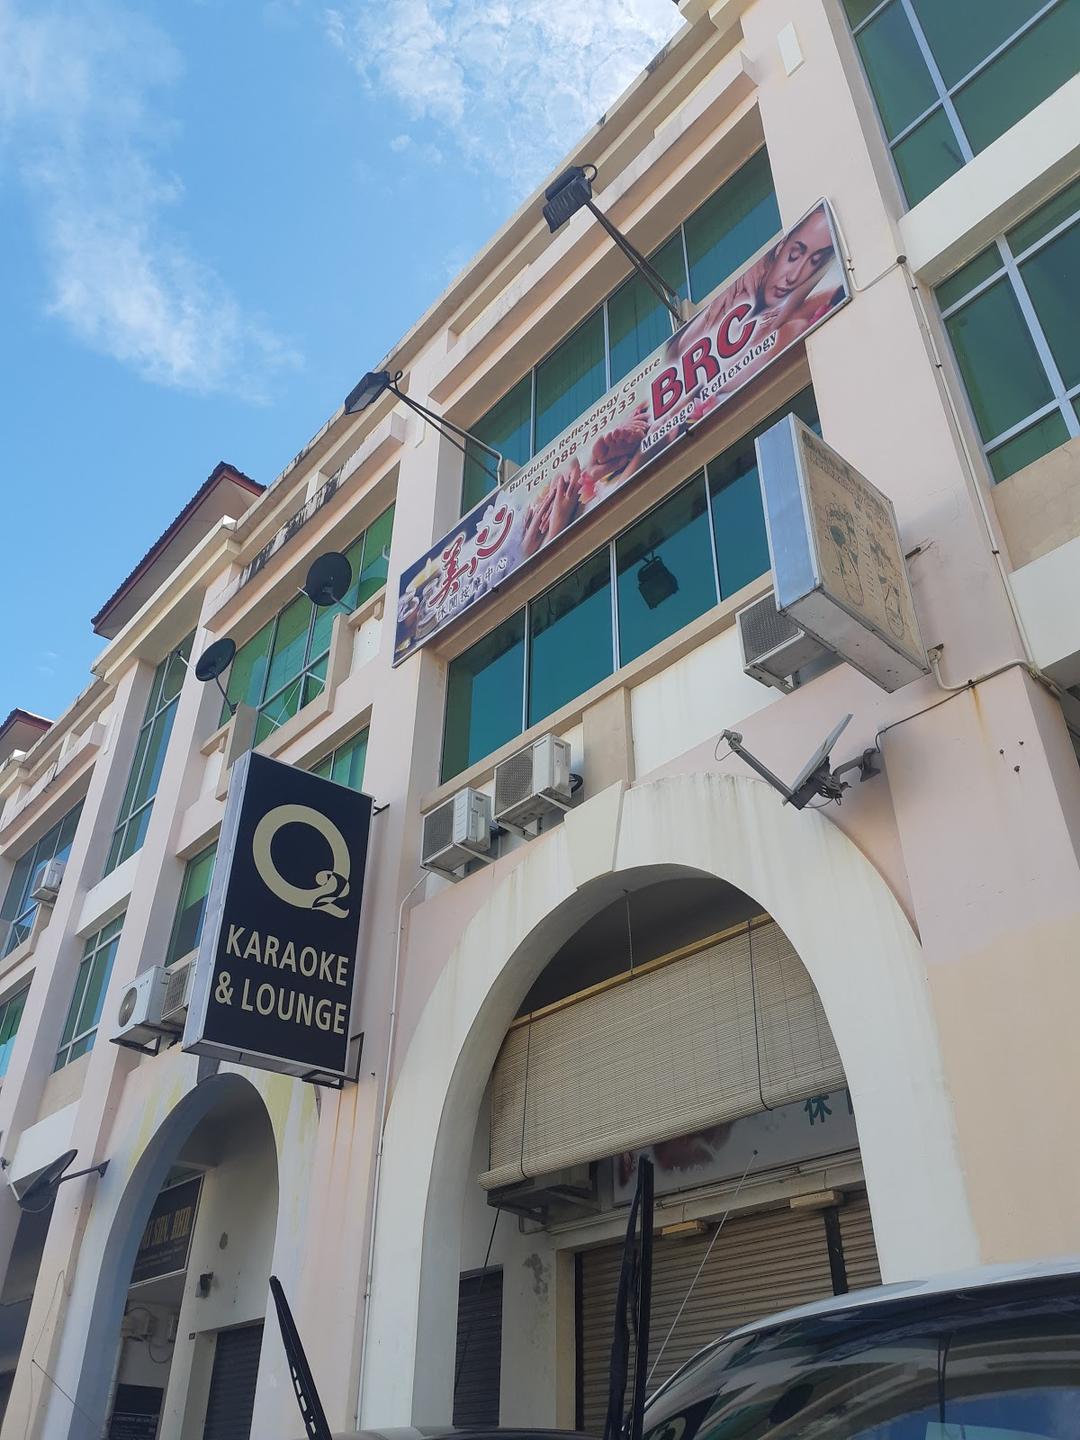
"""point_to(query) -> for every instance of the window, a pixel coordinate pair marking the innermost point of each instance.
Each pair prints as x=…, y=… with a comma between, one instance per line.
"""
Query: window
x=1010, y=314
x=191, y=907
x=283, y=667
x=698, y=546
x=345, y=765
x=91, y=983
x=138, y=801
x=949, y=78
x=631, y=324
x=10, y=1014
x=19, y=907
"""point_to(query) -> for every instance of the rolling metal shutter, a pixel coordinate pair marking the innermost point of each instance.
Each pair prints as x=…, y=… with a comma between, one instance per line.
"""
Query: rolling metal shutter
x=860, y=1252
x=681, y=1045
x=478, y=1366
x=760, y=1263
x=232, y=1383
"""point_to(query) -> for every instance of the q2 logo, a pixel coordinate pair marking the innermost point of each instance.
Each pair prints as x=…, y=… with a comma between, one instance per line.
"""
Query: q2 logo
x=330, y=885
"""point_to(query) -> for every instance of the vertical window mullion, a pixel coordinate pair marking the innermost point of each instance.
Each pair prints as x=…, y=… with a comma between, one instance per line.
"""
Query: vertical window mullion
x=712, y=533
x=613, y=581
x=269, y=662
x=686, y=262
x=607, y=349
x=938, y=80
x=532, y=411
x=526, y=656
x=1034, y=324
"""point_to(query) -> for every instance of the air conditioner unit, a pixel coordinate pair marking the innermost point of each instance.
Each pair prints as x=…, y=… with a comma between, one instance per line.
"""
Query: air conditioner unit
x=177, y=993
x=48, y=887
x=138, y=1019
x=774, y=647
x=534, y=782
x=573, y=1188
x=457, y=831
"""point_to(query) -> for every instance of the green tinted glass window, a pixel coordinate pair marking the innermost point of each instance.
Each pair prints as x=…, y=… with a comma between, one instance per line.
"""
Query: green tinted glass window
x=19, y=908
x=91, y=984
x=1001, y=390
x=10, y=1015
x=1064, y=206
x=638, y=321
x=290, y=644
x=247, y=674
x=150, y=748
x=731, y=226
x=899, y=78
x=927, y=157
x=1052, y=277
x=191, y=907
x=570, y=642
x=1035, y=66
x=988, y=263
x=507, y=428
x=664, y=571
x=570, y=379
x=1027, y=447
x=376, y=562
x=484, y=696
x=961, y=33
x=345, y=765
x=742, y=546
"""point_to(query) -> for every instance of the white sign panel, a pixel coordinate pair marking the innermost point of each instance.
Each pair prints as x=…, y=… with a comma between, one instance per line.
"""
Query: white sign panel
x=836, y=555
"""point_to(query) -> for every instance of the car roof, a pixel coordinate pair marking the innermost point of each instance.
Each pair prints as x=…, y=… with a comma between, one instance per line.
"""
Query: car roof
x=949, y=1283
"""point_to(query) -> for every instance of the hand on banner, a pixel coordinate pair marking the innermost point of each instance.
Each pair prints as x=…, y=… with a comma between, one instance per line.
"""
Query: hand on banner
x=613, y=451
x=553, y=511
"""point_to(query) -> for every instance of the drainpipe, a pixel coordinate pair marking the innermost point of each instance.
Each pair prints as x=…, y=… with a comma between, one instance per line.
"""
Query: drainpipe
x=384, y=1105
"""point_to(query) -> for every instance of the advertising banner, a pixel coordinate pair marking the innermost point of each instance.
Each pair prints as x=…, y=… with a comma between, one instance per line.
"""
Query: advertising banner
x=166, y=1241
x=772, y=305
x=837, y=558
x=273, y=984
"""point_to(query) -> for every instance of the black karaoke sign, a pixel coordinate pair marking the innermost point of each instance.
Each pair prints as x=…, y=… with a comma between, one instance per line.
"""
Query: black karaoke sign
x=273, y=984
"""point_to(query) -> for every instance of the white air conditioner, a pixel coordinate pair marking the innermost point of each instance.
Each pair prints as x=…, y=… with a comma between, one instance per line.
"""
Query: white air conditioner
x=534, y=782
x=48, y=887
x=457, y=831
x=138, y=1019
x=574, y=1187
x=774, y=647
x=174, y=1003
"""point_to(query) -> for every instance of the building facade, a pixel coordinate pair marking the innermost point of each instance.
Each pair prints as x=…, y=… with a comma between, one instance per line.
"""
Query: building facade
x=844, y=1033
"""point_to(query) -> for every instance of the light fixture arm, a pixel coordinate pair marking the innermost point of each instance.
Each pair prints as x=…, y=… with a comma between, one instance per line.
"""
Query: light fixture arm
x=448, y=429
x=663, y=291
x=91, y=1170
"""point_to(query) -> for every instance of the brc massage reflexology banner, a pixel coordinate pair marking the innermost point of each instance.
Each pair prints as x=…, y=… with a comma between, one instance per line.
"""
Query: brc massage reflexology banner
x=772, y=305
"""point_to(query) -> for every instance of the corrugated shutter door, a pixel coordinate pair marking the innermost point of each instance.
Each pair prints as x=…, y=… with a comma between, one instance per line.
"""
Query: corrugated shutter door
x=760, y=1263
x=860, y=1251
x=232, y=1384
x=704, y=1039
x=478, y=1365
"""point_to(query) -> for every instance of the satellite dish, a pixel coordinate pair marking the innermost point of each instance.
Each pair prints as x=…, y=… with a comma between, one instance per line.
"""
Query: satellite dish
x=41, y=1192
x=215, y=659
x=328, y=579
x=815, y=778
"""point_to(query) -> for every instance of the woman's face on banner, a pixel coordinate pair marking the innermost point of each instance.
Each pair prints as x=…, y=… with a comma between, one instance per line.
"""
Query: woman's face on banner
x=798, y=260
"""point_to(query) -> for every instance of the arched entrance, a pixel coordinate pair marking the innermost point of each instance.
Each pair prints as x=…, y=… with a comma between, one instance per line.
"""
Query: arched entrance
x=848, y=931
x=151, y=1306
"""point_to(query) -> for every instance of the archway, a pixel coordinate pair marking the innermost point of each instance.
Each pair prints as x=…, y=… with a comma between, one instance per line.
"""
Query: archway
x=198, y=1135
x=850, y=934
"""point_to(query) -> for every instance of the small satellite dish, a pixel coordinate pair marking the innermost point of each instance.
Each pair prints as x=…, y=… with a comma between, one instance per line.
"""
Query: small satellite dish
x=328, y=579
x=215, y=659
x=41, y=1192
x=816, y=778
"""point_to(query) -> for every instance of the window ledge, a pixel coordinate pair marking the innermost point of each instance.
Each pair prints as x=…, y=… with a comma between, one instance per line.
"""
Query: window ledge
x=721, y=617
x=22, y=952
x=216, y=741
x=373, y=606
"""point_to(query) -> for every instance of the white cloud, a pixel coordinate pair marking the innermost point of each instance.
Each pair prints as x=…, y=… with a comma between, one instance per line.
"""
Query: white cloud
x=513, y=83
x=81, y=127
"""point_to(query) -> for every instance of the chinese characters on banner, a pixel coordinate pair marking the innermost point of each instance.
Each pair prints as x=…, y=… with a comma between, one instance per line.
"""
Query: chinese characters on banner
x=747, y=325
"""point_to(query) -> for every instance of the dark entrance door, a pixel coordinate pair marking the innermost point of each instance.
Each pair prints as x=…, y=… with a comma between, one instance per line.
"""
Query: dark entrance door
x=232, y=1383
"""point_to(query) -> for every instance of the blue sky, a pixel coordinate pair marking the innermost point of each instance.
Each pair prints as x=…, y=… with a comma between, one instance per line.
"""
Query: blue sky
x=217, y=214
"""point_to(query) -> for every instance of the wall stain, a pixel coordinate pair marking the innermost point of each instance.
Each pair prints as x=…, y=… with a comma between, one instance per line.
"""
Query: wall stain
x=534, y=1263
